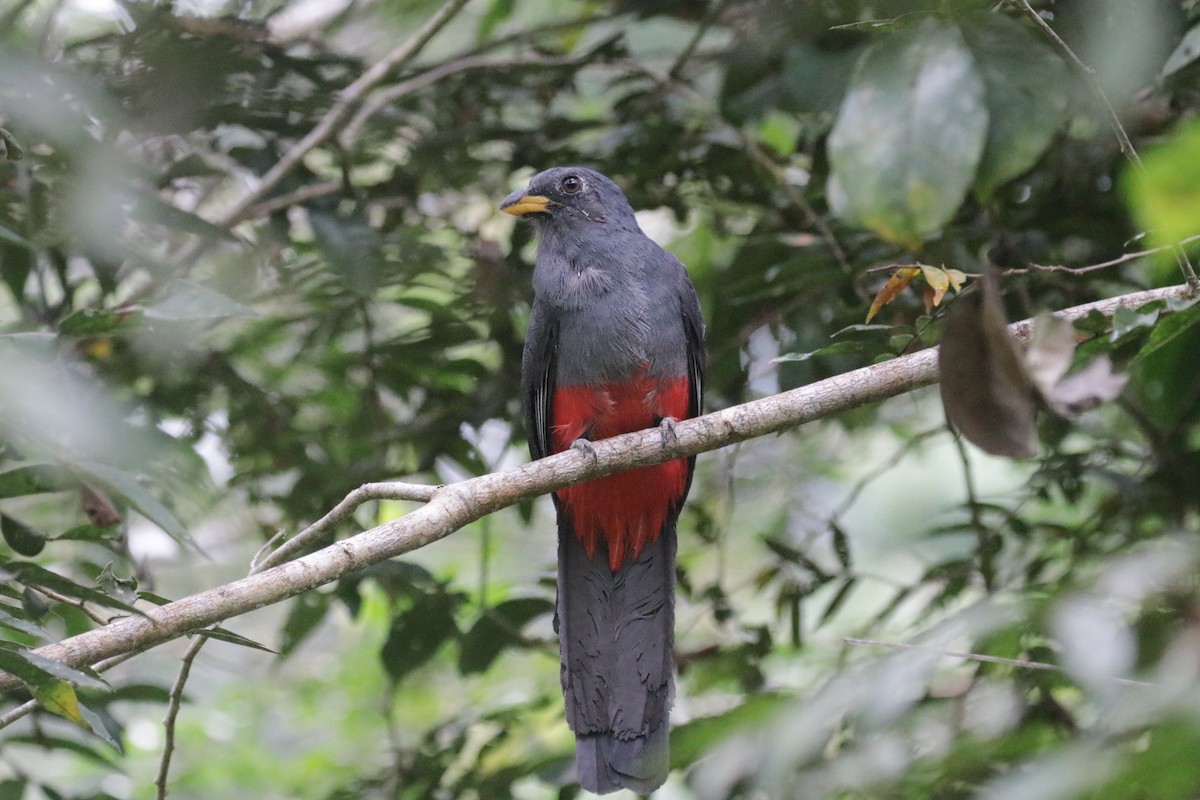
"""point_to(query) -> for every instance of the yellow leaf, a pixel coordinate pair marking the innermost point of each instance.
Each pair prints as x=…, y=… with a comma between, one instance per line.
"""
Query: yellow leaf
x=957, y=278
x=901, y=278
x=58, y=697
x=938, y=281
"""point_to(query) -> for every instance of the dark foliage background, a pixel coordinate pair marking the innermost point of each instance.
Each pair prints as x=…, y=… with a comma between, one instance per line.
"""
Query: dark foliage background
x=183, y=354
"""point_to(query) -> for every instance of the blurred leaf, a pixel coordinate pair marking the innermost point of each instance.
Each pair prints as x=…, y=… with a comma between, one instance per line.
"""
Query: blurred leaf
x=838, y=600
x=499, y=627
x=23, y=539
x=910, y=133
x=9, y=148
x=1165, y=193
x=149, y=207
x=94, y=322
x=418, y=633
x=835, y=349
x=498, y=12
x=185, y=300
x=84, y=676
x=694, y=738
x=351, y=247
x=10, y=620
x=126, y=485
x=1186, y=52
x=1026, y=93
x=306, y=613
x=985, y=389
x=28, y=479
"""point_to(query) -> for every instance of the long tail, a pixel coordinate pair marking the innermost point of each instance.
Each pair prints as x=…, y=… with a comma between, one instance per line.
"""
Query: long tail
x=616, y=632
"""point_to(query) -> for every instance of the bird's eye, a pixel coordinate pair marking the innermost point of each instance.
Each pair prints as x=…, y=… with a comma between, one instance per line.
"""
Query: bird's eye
x=571, y=184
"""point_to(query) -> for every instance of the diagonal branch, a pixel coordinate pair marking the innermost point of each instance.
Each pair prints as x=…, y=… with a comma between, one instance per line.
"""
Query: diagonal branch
x=348, y=100
x=455, y=505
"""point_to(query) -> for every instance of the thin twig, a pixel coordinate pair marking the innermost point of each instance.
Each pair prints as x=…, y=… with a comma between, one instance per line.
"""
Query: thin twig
x=386, y=490
x=431, y=76
x=1114, y=121
x=1012, y=662
x=70, y=601
x=710, y=16
x=23, y=710
x=296, y=197
x=174, y=701
x=347, y=101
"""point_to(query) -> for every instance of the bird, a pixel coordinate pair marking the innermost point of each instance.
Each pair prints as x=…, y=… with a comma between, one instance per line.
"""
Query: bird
x=615, y=344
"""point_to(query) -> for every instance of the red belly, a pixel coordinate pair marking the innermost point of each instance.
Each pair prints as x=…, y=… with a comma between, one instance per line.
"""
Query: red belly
x=628, y=509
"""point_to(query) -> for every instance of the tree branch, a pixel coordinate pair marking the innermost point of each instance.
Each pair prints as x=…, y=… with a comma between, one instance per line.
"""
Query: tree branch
x=347, y=101
x=455, y=505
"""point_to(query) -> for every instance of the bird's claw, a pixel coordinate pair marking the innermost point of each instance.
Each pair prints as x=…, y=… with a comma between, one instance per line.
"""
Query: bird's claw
x=582, y=445
x=666, y=429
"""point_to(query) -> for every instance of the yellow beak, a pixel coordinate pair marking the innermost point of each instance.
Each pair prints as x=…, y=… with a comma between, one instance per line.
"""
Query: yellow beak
x=519, y=204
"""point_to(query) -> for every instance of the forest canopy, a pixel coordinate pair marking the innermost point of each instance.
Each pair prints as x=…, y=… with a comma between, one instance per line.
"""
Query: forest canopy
x=251, y=260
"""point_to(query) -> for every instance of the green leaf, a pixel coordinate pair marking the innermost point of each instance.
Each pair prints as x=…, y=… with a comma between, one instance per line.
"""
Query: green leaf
x=218, y=633
x=693, y=739
x=1165, y=193
x=80, y=677
x=93, y=321
x=33, y=575
x=28, y=479
x=149, y=207
x=351, y=246
x=306, y=613
x=58, y=697
x=228, y=636
x=910, y=133
x=835, y=349
x=23, y=539
x=839, y=598
x=185, y=300
x=124, y=484
x=1187, y=51
x=10, y=620
x=497, y=12
x=1026, y=93
x=499, y=627
x=418, y=633
x=12, y=662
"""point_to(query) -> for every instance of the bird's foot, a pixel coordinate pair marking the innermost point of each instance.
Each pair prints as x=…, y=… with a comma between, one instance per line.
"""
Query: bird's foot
x=582, y=445
x=666, y=429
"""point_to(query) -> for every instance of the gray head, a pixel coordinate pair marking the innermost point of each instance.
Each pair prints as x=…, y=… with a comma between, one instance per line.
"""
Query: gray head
x=575, y=198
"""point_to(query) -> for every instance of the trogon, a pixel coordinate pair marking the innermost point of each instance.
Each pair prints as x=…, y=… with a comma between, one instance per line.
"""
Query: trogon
x=615, y=344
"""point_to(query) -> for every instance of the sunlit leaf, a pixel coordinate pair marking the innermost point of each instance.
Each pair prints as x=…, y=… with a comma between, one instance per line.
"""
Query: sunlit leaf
x=899, y=281
x=58, y=697
x=938, y=281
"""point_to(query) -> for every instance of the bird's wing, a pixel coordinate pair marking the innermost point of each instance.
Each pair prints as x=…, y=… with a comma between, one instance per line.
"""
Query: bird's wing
x=693, y=328
x=537, y=376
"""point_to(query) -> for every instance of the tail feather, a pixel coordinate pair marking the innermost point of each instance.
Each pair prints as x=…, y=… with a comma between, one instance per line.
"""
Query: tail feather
x=616, y=634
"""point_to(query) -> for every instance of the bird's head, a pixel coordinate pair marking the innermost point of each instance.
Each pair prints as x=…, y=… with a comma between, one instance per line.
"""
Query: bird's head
x=569, y=197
